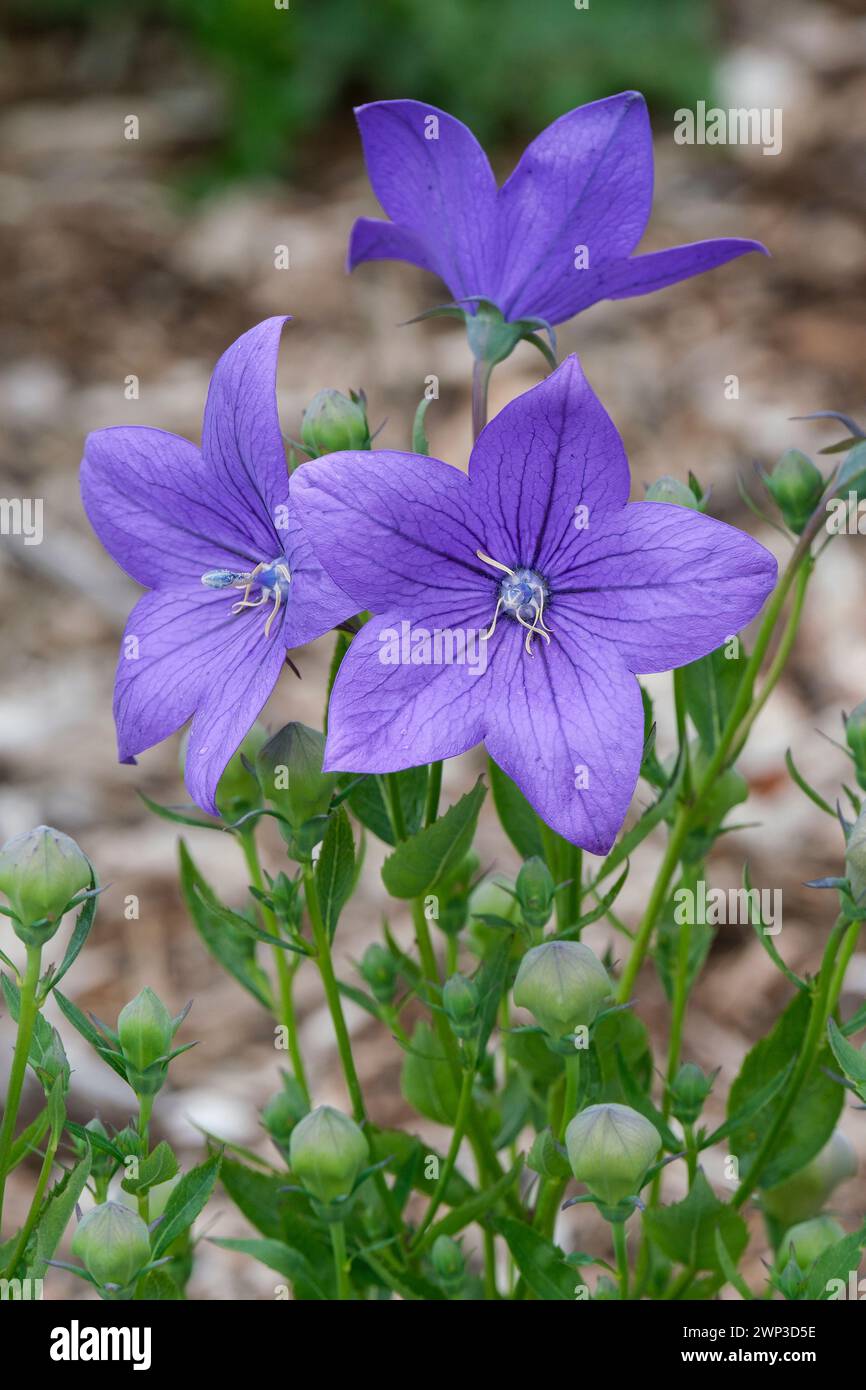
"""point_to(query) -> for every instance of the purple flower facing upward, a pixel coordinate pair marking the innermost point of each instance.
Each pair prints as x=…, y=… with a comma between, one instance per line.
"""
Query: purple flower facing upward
x=514, y=606
x=212, y=533
x=555, y=238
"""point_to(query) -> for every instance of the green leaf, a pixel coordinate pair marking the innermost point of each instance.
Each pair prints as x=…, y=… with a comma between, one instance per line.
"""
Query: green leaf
x=814, y=1114
x=836, y=1263
x=475, y=1208
x=157, y=1286
x=56, y=1214
x=730, y=1271
x=234, y=949
x=81, y=1023
x=29, y=1139
x=710, y=688
x=491, y=980
x=426, y=1080
x=292, y=1264
x=517, y=817
x=159, y=1166
x=368, y=804
x=335, y=869
x=186, y=1202
x=541, y=1263
x=419, y=433
x=428, y=857
x=766, y=940
x=686, y=1231
x=180, y=815
x=851, y=1059
x=408, y=1155
x=80, y=933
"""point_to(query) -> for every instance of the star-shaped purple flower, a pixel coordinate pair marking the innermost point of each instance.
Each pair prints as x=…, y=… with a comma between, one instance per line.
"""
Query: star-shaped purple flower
x=234, y=583
x=557, y=237
x=539, y=548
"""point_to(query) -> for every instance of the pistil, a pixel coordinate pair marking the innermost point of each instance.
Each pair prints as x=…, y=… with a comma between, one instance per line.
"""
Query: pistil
x=521, y=595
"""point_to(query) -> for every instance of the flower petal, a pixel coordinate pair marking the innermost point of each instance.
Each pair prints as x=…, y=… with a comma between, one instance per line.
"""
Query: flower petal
x=586, y=180
x=241, y=438
x=550, y=450
x=393, y=530
x=434, y=180
x=665, y=584
x=371, y=239
x=157, y=507
x=315, y=603
x=388, y=712
x=643, y=274
x=568, y=729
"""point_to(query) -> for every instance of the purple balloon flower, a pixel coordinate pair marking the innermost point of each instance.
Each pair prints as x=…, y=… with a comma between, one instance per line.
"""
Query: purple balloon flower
x=556, y=237
x=212, y=533
x=514, y=606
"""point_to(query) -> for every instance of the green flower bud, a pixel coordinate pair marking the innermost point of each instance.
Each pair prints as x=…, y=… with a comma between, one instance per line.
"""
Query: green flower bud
x=562, y=984
x=145, y=1029
x=448, y=1262
x=379, y=971
x=284, y=1111
x=610, y=1148
x=804, y=1194
x=102, y=1165
x=113, y=1244
x=41, y=872
x=545, y=1158
x=333, y=422
x=289, y=767
x=796, y=485
x=534, y=888
x=809, y=1239
x=460, y=1002
x=328, y=1153
x=689, y=1092
x=855, y=737
x=668, y=489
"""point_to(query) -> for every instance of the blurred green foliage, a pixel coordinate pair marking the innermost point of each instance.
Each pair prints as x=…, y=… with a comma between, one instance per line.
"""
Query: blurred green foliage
x=507, y=67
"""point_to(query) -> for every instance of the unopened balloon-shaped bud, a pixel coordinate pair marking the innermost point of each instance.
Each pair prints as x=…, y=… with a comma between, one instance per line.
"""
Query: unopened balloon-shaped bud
x=460, y=1002
x=289, y=767
x=855, y=737
x=809, y=1239
x=668, y=489
x=689, y=1092
x=145, y=1030
x=448, y=1262
x=333, y=422
x=796, y=486
x=855, y=859
x=610, y=1147
x=284, y=1111
x=327, y=1153
x=113, y=1244
x=535, y=888
x=562, y=984
x=379, y=971
x=41, y=873
x=804, y=1194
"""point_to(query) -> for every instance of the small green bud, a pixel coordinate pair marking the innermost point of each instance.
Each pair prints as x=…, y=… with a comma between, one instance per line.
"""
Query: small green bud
x=328, y=1153
x=145, y=1029
x=606, y=1291
x=41, y=872
x=796, y=486
x=283, y=1111
x=448, y=1262
x=855, y=859
x=460, y=1002
x=113, y=1244
x=562, y=984
x=809, y=1239
x=804, y=1194
x=379, y=971
x=102, y=1164
x=545, y=1158
x=289, y=767
x=855, y=737
x=689, y=1092
x=668, y=489
x=333, y=422
x=610, y=1148
x=535, y=888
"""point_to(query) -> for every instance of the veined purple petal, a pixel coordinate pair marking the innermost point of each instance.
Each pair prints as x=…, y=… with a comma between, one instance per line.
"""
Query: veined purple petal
x=643, y=274
x=549, y=451
x=241, y=439
x=664, y=584
x=393, y=530
x=568, y=729
x=371, y=239
x=314, y=603
x=158, y=508
x=584, y=182
x=395, y=706
x=434, y=180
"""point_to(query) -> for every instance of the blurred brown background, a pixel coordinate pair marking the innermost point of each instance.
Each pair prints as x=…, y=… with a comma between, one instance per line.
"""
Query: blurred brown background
x=147, y=257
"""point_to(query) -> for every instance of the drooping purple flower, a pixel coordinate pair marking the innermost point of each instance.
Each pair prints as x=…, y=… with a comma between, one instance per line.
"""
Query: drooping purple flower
x=233, y=582
x=556, y=237
x=575, y=588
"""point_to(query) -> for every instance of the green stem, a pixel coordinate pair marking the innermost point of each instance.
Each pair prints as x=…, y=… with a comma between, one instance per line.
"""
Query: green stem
x=145, y=1110
x=551, y=844
x=332, y=994
x=823, y=1003
x=35, y=1205
x=338, y=1245
x=434, y=791
x=620, y=1247
x=27, y=1011
x=552, y=1189
x=391, y=789
x=460, y=1120
x=780, y=659
x=678, y=1012
x=285, y=1015
x=481, y=371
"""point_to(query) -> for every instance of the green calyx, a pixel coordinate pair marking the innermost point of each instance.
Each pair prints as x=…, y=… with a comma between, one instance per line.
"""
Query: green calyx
x=796, y=486
x=491, y=336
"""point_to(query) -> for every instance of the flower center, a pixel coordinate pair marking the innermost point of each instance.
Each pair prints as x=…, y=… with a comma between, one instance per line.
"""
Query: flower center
x=522, y=595
x=272, y=579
